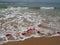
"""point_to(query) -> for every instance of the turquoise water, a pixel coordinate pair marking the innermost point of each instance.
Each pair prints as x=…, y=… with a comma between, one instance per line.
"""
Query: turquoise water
x=35, y=4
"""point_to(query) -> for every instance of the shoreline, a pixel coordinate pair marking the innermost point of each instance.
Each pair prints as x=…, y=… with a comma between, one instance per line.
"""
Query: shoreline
x=37, y=41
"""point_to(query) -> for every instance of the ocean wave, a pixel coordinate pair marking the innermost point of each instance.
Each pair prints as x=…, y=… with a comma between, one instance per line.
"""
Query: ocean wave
x=47, y=8
x=20, y=23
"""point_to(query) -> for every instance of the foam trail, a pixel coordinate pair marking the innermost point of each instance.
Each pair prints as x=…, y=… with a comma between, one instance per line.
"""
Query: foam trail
x=46, y=7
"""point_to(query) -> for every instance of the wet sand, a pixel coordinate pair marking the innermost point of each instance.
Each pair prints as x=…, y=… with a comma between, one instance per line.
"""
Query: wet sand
x=37, y=41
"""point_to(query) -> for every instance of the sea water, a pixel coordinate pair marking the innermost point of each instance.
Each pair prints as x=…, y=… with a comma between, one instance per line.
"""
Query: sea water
x=18, y=18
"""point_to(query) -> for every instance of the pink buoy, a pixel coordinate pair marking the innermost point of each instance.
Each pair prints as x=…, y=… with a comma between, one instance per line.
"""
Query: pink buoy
x=58, y=32
x=23, y=33
x=29, y=29
x=38, y=31
x=8, y=34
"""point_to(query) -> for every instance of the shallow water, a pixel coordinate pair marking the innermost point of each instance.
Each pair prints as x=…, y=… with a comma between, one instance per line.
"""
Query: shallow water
x=18, y=20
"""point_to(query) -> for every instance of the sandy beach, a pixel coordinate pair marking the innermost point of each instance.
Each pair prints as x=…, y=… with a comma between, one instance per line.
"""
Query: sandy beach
x=37, y=41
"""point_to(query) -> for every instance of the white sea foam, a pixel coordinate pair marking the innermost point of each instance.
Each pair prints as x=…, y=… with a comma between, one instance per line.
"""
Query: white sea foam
x=18, y=19
x=46, y=7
